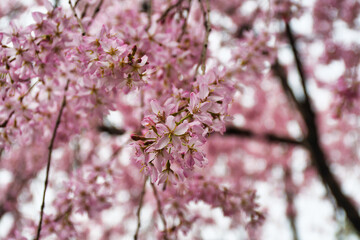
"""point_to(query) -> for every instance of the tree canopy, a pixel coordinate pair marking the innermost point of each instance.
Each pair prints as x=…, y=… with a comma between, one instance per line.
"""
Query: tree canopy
x=154, y=119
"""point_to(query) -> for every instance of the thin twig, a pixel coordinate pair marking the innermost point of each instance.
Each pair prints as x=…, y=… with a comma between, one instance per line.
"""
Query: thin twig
x=77, y=17
x=76, y=3
x=149, y=14
x=96, y=11
x=3, y=124
x=138, y=212
x=83, y=14
x=167, y=11
x=28, y=91
x=184, y=25
x=207, y=26
x=111, y=130
x=51, y=145
x=158, y=202
x=290, y=196
x=269, y=137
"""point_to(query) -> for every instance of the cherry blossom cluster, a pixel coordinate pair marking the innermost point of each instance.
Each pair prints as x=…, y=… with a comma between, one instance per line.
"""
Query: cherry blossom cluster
x=327, y=11
x=240, y=206
x=176, y=130
x=109, y=62
x=30, y=60
x=153, y=65
x=347, y=90
x=255, y=54
x=80, y=197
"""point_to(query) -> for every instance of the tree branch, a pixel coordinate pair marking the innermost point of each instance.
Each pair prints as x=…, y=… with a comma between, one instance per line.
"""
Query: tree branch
x=280, y=72
x=97, y=9
x=184, y=25
x=3, y=124
x=76, y=3
x=158, y=202
x=96, y=12
x=313, y=143
x=230, y=131
x=14, y=191
x=290, y=197
x=111, y=130
x=83, y=14
x=206, y=16
x=167, y=11
x=77, y=17
x=298, y=62
x=147, y=7
x=138, y=212
x=51, y=145
x=273, y=138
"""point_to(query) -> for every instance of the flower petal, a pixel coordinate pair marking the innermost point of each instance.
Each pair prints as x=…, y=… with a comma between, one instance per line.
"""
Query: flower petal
x=205, y=106
x=155, y=107
x=193, y=101
x=204, y=91
x=163, y=142
x=143, y=61
x=158, y=162
x=170, y=122
x=161, y=128
x=181, y=129
x=176, y=142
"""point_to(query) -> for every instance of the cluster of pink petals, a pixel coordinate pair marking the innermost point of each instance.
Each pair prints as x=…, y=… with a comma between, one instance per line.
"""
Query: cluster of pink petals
x=175, y=131
x=109, y=62
x=144, y=68
x=88, y=193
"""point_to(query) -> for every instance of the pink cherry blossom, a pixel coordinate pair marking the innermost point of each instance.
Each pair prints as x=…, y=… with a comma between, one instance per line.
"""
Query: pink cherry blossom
x=124, y=108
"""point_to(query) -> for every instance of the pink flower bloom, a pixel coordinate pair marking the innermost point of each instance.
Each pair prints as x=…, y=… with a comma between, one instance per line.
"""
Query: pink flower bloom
x=171, y=133
x=199, y=110
x=193, y=155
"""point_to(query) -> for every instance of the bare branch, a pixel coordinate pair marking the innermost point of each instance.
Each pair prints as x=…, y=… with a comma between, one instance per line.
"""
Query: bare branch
x=51, y=145
x=168, y=10
x=158, y=202
x=206, y=16
x=230, y=131
x=313, y=143
x=246, y=133
x=138, y=212
x=184, y=25
x=290, y=196
x=111, y=130
x=298, y=62
x=3, y=124
x=28, y=91
x=147, y=7
x=77, y=17
x=14, y=190
x=280, y=72
x=83, y=14
x=97, y=9
x=76, y=3
x=95, y=13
